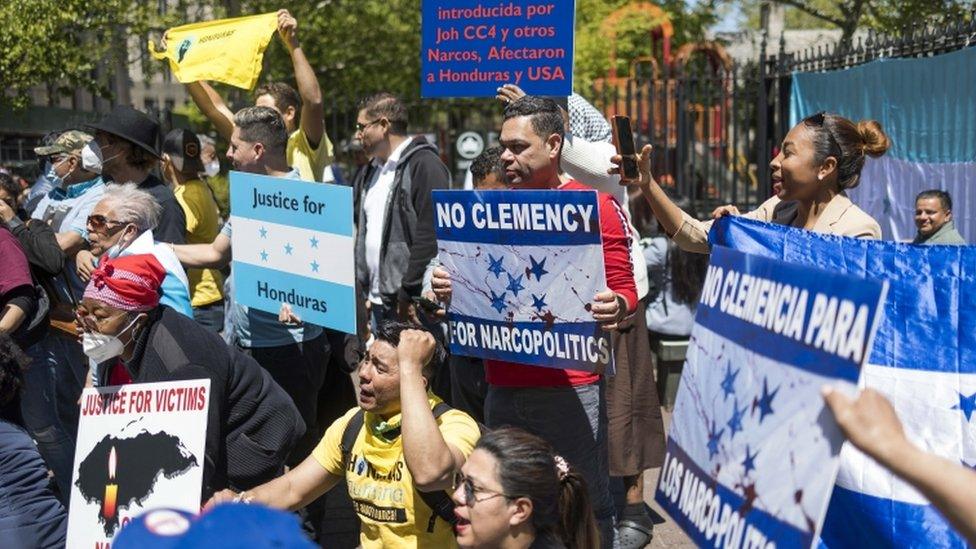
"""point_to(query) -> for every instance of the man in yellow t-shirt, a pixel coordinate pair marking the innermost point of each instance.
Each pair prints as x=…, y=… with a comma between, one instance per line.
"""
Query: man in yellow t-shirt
x=181, y=167
x=309, y=149
x=404, y=453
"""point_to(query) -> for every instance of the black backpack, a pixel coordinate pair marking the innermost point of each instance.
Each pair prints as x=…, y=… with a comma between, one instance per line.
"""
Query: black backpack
x=440, y=502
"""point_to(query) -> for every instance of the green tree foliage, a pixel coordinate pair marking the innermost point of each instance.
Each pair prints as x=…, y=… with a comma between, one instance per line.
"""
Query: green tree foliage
x=65, y=45
x=594, y=46
x=355, y=46
x=891, y=16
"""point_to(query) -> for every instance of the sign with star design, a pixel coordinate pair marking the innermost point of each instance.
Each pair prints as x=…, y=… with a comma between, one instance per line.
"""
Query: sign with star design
x=293, y=243
x=525, y=266
x=752, y=452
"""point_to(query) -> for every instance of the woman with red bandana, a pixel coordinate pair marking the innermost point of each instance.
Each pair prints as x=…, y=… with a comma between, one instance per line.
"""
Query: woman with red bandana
x=252, y=423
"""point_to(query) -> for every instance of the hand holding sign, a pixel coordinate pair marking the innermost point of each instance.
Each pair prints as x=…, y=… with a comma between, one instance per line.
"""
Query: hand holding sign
x=440, y=283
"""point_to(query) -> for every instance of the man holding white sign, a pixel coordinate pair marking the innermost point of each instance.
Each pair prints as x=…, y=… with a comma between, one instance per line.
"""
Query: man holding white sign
x=295, y=354
x=564, y=407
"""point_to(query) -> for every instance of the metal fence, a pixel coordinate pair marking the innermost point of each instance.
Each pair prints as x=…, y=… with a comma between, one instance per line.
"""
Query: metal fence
x=700, y=121
x=921, y=39
x=715, y=124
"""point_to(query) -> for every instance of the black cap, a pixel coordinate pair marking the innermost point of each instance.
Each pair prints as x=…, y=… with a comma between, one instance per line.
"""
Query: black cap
x=183, y=148
x=134, y=126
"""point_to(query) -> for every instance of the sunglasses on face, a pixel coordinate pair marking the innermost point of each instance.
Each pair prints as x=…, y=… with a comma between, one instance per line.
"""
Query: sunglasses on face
x=99, y=222
x=360, y=126
x=469, y=490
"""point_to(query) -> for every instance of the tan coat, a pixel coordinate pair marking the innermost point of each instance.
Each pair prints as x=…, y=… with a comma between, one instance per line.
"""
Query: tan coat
x=841, y=217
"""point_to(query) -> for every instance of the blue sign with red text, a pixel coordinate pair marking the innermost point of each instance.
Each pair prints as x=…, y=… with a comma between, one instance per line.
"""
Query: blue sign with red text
x=470, y=48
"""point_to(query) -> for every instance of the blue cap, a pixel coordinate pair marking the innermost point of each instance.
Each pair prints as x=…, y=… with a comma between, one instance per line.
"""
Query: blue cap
x=226, y=526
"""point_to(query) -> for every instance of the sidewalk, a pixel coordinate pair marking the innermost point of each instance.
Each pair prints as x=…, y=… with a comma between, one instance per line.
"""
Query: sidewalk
x=666, y=532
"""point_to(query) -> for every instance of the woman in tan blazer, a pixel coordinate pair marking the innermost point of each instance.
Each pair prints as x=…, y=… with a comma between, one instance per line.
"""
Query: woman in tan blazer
x=820, y=158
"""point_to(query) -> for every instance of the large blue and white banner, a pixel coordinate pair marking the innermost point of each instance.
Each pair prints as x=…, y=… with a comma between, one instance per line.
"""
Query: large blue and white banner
x=928, y=108
x=752, y=452
x=923, y=360
x=293, y=243
x=471, y=47
x=525, y=266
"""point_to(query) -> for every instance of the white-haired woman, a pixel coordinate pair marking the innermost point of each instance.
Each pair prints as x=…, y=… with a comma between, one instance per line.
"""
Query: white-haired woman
x=122, y=224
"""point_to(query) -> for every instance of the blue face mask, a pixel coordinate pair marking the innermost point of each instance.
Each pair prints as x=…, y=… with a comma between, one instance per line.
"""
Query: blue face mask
x=53, y=176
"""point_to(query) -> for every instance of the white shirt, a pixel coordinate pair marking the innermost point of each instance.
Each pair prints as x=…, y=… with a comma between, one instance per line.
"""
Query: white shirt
x=374, y=208
x=588, y=162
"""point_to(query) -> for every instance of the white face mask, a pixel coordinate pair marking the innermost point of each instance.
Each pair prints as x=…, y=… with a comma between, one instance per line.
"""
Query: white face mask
x=210, y=169
x=91, y=157
x=100, y=347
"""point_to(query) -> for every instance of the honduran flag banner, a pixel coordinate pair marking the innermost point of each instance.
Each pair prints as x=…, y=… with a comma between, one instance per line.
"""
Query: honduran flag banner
x=524, y=269
x=923, y=359
x=293, y=244
x=927, y=107
x=752, y=453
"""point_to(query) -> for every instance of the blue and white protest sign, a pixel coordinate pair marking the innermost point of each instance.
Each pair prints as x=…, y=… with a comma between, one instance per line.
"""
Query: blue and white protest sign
x=525, y=266
x=293, y=243
x=923, y=360
x=471, y=47
x=752, y=453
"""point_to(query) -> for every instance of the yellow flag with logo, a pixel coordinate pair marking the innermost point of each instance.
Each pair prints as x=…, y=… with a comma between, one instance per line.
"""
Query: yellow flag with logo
x=226, y=50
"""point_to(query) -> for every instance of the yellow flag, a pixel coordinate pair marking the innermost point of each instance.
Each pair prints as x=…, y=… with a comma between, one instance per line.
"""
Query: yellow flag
x=226, y=50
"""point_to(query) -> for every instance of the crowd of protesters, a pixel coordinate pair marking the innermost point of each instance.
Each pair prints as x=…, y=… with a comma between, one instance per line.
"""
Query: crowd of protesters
x=115, y=268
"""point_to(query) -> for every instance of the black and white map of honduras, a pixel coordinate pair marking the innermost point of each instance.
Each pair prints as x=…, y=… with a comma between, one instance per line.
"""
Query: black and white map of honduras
x=140, y=461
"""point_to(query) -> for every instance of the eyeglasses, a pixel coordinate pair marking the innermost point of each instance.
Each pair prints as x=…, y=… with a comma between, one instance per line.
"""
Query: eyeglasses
x=360, y=126
x=99, y=222
x=470, y=490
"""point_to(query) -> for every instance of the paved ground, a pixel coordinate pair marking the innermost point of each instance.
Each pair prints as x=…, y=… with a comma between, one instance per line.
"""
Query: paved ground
x=666, y=532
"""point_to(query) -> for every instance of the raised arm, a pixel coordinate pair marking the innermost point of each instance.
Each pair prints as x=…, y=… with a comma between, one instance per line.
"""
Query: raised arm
x=313, y=114
x=213, y=107
x=431, y=461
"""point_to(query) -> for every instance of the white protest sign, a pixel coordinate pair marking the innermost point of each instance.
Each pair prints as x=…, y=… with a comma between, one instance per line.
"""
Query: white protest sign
x=140, y=447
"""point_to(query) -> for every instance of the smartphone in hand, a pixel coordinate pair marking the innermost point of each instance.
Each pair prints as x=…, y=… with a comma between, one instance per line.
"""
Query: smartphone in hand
x=623, y=139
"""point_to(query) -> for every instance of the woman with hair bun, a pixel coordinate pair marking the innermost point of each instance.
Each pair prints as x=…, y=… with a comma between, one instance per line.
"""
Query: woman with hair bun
x=513, y=492
x=821, y=157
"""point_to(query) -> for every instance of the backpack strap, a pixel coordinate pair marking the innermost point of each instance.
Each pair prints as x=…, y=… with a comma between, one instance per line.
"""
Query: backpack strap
x=349, y=435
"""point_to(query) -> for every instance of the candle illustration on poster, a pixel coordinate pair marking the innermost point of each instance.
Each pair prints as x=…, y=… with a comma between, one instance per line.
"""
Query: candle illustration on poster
x=109, y=504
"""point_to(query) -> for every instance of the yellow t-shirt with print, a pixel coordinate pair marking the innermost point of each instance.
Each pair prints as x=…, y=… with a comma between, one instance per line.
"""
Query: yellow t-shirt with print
x=309, y=162
x=380, y=484
x=202, y=227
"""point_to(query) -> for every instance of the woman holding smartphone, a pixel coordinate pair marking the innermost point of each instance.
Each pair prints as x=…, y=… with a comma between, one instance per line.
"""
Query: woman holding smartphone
x=821, y=157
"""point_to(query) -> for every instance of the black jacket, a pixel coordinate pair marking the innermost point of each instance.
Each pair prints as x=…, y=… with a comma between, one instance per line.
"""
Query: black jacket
x=409, y=240
x=40, y=245
x=252, y=423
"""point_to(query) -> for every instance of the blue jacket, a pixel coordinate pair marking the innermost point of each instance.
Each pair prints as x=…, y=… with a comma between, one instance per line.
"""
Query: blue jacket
x=30, y=515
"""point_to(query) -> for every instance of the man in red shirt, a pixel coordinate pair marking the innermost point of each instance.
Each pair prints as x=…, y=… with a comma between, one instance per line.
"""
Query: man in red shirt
x=564, y=407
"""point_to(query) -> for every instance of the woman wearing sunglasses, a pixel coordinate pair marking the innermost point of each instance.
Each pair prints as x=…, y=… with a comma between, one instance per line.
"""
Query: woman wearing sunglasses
x=513, y=492
x=821, y=157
